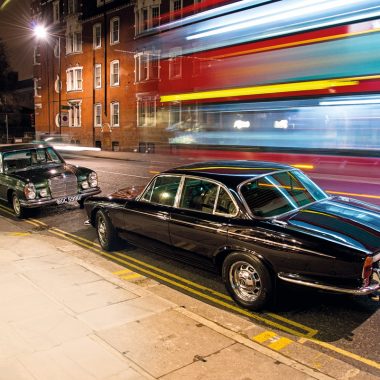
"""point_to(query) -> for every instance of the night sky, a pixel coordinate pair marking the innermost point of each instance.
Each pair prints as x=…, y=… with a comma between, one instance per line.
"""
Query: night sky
x=15, y=31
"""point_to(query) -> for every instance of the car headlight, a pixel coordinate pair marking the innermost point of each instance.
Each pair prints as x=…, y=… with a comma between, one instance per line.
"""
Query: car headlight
x=44, y=193
x=85, y=185
x=30, y=191
x=93, y=179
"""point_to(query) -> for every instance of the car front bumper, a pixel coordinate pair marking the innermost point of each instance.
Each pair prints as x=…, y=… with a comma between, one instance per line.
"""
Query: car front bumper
x=34, y=203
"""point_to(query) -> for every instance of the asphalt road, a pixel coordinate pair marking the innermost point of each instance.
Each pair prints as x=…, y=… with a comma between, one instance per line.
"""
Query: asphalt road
x=343, y=326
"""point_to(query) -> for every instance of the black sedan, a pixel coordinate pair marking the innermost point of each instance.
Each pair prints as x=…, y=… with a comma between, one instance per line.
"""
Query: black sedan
x=257, y=222
x=35, y=175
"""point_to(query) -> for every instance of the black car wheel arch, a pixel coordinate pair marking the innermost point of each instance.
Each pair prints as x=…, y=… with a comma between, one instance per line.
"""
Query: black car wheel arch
x=107, y=234
x=248, y=280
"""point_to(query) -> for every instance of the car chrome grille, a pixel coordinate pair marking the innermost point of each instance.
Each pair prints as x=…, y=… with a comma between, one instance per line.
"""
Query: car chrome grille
x=63, y=185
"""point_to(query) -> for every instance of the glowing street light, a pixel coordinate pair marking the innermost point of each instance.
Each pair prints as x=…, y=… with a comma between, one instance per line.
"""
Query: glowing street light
x=40, y=32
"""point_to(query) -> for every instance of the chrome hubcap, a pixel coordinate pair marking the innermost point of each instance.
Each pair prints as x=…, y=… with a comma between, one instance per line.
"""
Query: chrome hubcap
x=16, y=206
x=245, y=281
x=102, y=231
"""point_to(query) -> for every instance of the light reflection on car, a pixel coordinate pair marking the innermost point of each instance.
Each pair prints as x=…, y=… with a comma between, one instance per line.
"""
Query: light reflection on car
x=258, y=223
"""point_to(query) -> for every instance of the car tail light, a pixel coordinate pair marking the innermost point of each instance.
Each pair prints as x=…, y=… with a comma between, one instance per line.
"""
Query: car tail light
x=367, y=269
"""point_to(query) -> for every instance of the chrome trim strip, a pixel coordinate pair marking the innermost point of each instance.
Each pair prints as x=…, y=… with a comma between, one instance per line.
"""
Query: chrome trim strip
x=217, y=229
x=282, y=245
x=373, y=287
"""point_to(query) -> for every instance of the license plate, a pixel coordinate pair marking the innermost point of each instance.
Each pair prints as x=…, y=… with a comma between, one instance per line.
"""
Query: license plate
x=70, y=198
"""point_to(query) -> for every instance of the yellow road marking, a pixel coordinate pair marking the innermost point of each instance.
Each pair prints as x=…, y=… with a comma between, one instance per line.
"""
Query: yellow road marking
x=131, y=276
x=266, y=335
x=303, y=166
x=280, y=343
x=120, y=272
x=182, y=286
x=348, y=354
x=16, y=234
x=154, y=172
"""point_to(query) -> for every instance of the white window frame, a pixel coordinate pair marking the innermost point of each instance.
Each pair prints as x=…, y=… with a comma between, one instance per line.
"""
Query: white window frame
x=112, y=113
x=71, y=7
x=113, y=21
x=97, y=114
x=146, y=110
x=98, y=66
x=175, y=54
x=56, y=12
x=96, y=27
x=74, y=80
x=172, y=10
x=74, y=43
x=145, y=68
x=37, y=55
x=36, y=87
x=114, y=81
x=75, y=113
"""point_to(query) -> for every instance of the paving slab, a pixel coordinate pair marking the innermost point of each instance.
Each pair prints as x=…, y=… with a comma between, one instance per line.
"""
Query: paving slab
x=124, y=312
x=236, y=362
x=165, y=342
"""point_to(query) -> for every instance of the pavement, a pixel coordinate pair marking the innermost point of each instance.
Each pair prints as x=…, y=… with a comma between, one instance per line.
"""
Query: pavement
x=67, y=313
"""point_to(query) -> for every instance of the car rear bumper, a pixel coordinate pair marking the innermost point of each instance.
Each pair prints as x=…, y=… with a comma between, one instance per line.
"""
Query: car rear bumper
x=365, y=290
x=34, y=203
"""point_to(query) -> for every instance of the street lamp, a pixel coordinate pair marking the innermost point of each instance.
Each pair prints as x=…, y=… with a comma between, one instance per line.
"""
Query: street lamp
x=41, y=33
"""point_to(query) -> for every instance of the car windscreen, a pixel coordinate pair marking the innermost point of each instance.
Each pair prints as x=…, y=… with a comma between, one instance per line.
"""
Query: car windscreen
x=26, y=158
x=279, y=193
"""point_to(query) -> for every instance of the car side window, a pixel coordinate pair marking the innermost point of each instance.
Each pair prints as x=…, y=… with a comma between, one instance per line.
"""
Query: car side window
x=199, y=195
x=163, y=191
x=225, y=205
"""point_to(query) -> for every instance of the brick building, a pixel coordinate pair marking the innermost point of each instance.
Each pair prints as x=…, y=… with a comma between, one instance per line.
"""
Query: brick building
x=99, y=67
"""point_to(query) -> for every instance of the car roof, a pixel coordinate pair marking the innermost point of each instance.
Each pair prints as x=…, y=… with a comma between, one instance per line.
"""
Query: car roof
x=16, y=147
x=230, y=173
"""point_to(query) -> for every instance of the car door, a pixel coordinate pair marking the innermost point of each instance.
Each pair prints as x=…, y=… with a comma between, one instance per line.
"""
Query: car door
x=5, y=181
x=146, y=219
x=199, y=224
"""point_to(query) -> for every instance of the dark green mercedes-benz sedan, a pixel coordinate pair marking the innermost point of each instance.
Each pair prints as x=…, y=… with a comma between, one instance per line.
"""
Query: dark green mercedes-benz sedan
x=35, y=175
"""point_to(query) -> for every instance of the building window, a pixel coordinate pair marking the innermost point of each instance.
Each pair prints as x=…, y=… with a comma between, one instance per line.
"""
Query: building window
x=175, y=9
x=155, y=16
x=146, y=112
x=115, y=110
x=37, y=56
x=98, y=115
x=74, y=79
x=99, y=3
x=75, y=113
x=97, y=36
x=146, y=66
x=56, y=12
x=71, y=6
x=98, y=75
x=115, y=73
x=115, y=30
x=175, y=63
x=74, y=43
x=175, y=114
x=37, y=87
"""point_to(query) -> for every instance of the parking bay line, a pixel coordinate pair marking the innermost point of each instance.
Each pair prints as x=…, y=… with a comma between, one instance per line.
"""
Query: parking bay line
x=303, y=338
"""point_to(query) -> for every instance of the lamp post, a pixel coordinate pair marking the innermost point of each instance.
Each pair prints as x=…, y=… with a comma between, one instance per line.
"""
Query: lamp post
x=41, y=33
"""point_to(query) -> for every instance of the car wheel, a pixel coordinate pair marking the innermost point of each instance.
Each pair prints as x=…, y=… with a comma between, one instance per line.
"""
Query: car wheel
x=247, y=280
x=19, y=211
x=107, y=234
